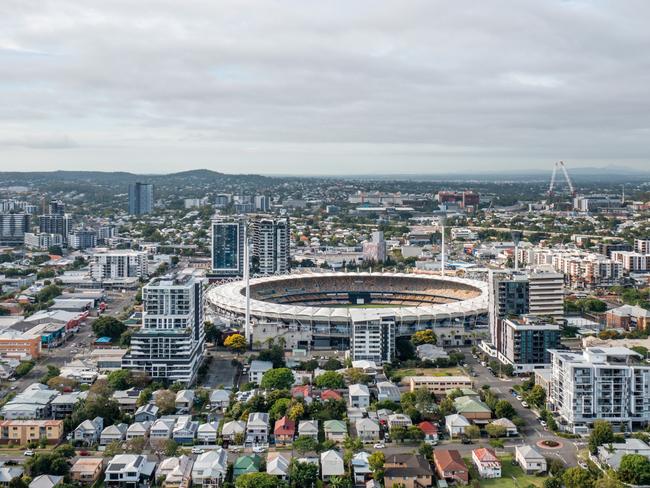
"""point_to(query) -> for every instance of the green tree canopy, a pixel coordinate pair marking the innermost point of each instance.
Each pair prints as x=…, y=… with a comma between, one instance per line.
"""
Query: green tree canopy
x=602, y=433
x=258, y=480
x=330, y=379
x=424, y=337
x=277, y=379
x=634, y=469
x=107, y=326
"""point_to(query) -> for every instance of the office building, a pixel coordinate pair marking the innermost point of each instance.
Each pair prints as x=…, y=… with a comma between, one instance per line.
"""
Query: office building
x=13, y=227
x=373, y=340
x=228, y=237
x=525, y=342
x=270, y=244
x=600, y=383
x=118, y=264
x=82, y=239
x=140, y=198
x=55, y=224
x=170, y=343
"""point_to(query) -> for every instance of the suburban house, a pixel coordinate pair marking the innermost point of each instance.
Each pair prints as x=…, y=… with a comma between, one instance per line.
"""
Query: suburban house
x=210, y=468
x=284, y=431
x=308, y=428
x=331, y=463
x=399, y=420
x=115, y=432
x=361, y=468
x=450, y=466
x=257, y=370
x=249, y=463
x=302, y=392
x=184, y=401
x=138, y=429
x=387, y=391
x=129, y=471
x=473, y=409
x=87, y=470
x=335, y=430
x=146, y=413
x=430, y=431
x=64, y=404
x=177, y=472
x=612, y=454
x=487, y=463
x=257, y=428
x=456, y=425
x=9, y=473
x=45, y=481
x=326, y=395
x=359, y=396
x=32, y=403
x=162, y=429
x=207, y=433
x=127, y=399
x=409, y=470
x=185, y=429
x=230, y=429
x=367, y=430
x=89, y=431
x=511, y=428
x=219, y=400
x=530, y=460
x=278, y=465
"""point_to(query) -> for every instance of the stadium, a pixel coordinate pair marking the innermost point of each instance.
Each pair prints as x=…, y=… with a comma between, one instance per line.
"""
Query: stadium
x=333, y=310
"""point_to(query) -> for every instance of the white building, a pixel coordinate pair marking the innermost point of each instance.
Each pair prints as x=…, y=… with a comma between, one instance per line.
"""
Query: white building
x=129, y=470
x=118, y=264
x=373, y=340
x=546, y=292
x=607, y=383
x=210, y=468
x=530, y=460
x=257, y=370
x=486, y=462
x=331, y=464
x=270, y=237
x=463, y=234
x=170, y=343
x=359, y=396
x=257, y=428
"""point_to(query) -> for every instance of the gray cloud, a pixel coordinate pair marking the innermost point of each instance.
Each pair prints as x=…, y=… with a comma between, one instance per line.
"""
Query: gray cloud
x=323, y=87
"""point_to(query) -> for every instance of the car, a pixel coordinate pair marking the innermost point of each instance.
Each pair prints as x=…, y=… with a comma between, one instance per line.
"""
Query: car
x=466, y=440
x=524, y=404
x=542, y=423
x=483, y=363
x=12, y=379
x=197, y=450
x=583, y=465
x=379, y=445
x=235, y=448
x=29, y=453
x=259, y=449
x=84, y=453
x=520, y=398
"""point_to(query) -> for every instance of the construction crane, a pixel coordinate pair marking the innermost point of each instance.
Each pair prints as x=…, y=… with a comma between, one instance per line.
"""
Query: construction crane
x=560, y=164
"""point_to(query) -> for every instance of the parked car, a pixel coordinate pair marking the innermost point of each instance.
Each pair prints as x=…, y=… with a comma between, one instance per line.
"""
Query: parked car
x=197, y=450
x=259, y=449
x=525, y=404
x=520, y=398
x=379, y=445
x=466, y=440
x=29, y=453
x=542, y=423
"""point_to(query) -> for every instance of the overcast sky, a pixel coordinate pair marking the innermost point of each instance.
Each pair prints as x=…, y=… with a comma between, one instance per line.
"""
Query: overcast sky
x=323, y=87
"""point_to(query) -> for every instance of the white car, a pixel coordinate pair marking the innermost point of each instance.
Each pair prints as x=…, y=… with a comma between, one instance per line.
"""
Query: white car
x=520, y=398
x=197, y=450
x=259, y=449
x=524, y=404
x=379, y=445
x=542, y=423
x=29, y=453
x=235, y=448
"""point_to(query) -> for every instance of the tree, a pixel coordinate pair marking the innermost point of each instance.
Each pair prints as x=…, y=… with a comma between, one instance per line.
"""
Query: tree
x=332, y=364
x=303, y=475
x=107, y=326
x=553, y=482
x=446, y=406
x=504, y=409
x=398, y=433
x=52, y=371
x=47, y=463
x=170, y=447
x=277, y=379
x=455, y=393
x=602, y=433
x=425, y=450
x=495, y=430
x=296, y=411
x=61, y=383
x=305, y=444
x=212, y=334
x=120, y=379
x=258, y=480
x=236, y=343
x=23, y=368
x=376, y=463
x=473, y=431
x=577, y=477
x=537, y=396
x=356, y=375
x=330, y=379
x=340, y=482
x=18, y=482
x=166, y=402
x=634, y=469
x=279, y=408
x=424, y=337
x=354, y=444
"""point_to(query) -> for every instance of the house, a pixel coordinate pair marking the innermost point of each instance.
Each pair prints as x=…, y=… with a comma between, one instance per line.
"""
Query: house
x=87, y=470
x=387, y=391
x=612, y=454
x=146, y=413
x=207, y=433
x=129, y=471
x=456, y=425
x=231, y=429
x=34, y=402
x=408, y=470
x=361, y=471
x=23, y=431
x=359, y=396
x=127, y=399
x=9, y=473
x=138, y=429
x=302, y=392
x=63, y=405
x=45, y=481
x=355, y=413
x=278, y=465
x=115, y=432
x=246, y=464
x=284, y=431
x=511, y=428
x=530, y=460
x=210, y=468
x=330, y=395
x=162, y=428
x=185, y=430
x=257, y=370
x=473, y=409
x=88, y=431
x=430, y=431
x=487, y=463
x=257, y=428
x=331, y=464
x=335, y=430
x=399, y=420
x=367, y=430
x=184, y=401
x=177, y=472
x=219, y=400
x=450, y=466
x=308, y=428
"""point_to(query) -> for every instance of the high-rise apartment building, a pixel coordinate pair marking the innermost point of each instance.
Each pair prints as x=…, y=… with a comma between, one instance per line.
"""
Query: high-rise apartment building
x=56, y=207
x=118, y=264
x=373, y=340
x=600, y=383
x=228, y=235
x=545, y=292
x=170, y=343
x=82, y=239
x=262, y=203
x=42, y=241
x=140, y=198
x=375, y=249
x=13, y=227
x=270, y=237
x=525, y=342
x=55, y=224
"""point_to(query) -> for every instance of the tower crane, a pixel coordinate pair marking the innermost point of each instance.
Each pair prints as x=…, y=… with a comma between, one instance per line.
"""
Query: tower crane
x=560, y=164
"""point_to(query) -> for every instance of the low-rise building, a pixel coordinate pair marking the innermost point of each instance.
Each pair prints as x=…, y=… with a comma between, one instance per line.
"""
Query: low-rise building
x=112, y=433
x=439, y=385
x=308, y=428
x=450, y=466
x=456, y=425
x=473, y=409
x=530, y=460
x=487, y=463
x=246, y=464
x=612, y=454
x=230, y=430
x=146, y=413
x=511, y=428
x=408, y=470
x=87, y=470
x=335, y=430
x=257, y=370
x=430, y=431
x=138, y=429
x=278, y=465
x=367, y=430
x=22, y=432
x=359, y=396
x=284, y=431
x=257, y=428
x=387, y=391
x=399, y=420
x=89, y=431
x=129, y=471
x=219, y=399
x=210, y=468
x=331, y=464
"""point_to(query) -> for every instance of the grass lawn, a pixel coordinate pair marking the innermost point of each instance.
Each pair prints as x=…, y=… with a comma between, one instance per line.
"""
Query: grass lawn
x=508, y=471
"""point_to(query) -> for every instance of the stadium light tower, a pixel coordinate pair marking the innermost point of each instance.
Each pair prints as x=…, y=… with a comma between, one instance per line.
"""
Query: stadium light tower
x=516, y=238
x=247, y=279
x=442, y=221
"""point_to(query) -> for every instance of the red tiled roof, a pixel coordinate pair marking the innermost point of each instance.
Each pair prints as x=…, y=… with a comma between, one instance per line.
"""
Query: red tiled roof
x=303, y=391
x=284, y=426
x=428, y=427
x=448, y=460
x=330, y=395
x=485, y=455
